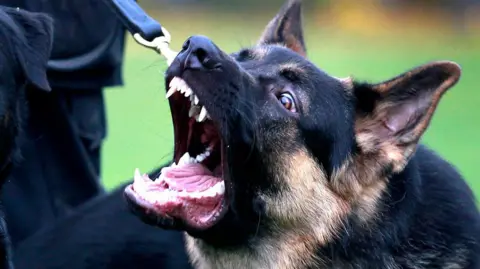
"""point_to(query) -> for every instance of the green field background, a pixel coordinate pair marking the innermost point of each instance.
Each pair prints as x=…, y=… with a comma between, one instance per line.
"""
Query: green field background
x=139, y=123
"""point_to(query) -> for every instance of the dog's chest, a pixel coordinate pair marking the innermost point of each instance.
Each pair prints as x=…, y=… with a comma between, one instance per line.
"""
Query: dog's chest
x=263, y=256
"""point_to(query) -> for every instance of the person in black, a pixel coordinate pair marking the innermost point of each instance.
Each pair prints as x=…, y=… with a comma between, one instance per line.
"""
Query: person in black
x=62, y=141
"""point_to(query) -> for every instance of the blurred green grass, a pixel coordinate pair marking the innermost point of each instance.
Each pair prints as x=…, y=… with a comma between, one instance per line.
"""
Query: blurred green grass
x=139, y=124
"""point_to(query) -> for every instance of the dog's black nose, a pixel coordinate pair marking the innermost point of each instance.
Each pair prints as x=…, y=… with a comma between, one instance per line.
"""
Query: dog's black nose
x=200, y=53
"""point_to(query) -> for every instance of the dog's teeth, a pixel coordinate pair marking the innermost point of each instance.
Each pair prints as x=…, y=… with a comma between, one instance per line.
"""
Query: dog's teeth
x=188, y=92
x=202, y=115
x=196, y=100
x=173, y=82
x=221, y=188
x=170, y=92
x=192, y=160
x=137, y=176
x=184, y=159
x=194, y=110
x=200, y=158
x=192, y=97
x=180, y=82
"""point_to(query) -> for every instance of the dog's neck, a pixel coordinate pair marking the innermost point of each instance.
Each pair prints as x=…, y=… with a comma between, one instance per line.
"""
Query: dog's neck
x=292, y=252
x=289, y=250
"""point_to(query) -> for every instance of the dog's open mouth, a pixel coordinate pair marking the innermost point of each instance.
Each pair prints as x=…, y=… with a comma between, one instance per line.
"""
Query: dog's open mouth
x=192, y=189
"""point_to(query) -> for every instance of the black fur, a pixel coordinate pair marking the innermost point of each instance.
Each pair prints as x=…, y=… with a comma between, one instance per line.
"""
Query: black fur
x=423, y=214
x=424, y=217
x=102, y=234
x=428, y=209
x=25, y=39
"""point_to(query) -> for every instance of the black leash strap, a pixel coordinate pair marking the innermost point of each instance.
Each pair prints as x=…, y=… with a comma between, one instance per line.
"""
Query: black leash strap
x=145, y=30
x=135, y=19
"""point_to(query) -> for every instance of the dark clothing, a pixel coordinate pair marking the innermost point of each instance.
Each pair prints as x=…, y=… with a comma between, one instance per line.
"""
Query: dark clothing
x=103, y=233
x=82, y=27
x=62, y=139
x=61, y=159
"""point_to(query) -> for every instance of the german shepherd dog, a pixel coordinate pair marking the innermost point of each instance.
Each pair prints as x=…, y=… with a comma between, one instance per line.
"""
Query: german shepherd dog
x=25, y=39
x=279, y=165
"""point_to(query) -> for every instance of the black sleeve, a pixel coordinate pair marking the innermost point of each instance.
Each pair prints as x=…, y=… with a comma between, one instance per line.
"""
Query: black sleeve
x=88, y=42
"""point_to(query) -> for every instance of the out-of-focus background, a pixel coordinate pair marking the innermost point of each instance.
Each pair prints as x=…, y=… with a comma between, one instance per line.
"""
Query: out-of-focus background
x=370, y=39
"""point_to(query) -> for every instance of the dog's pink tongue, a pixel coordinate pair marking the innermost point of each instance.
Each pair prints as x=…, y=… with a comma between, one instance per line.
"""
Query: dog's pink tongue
x=190, y=178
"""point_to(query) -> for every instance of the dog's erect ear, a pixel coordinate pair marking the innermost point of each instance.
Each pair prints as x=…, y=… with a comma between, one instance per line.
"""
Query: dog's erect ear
x=286, y=28
x=393, y=115
x=33, y=50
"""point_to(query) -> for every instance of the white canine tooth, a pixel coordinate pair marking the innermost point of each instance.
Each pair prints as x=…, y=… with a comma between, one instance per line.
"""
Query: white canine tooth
x=137, y=175
x=192, y=97
x=170, y=92
x=202, y=115
x=173, y=82
x=184, y=159
x=196, y=100
x=194, y=110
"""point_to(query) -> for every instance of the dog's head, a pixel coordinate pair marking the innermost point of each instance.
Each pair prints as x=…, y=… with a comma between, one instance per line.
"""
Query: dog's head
x=266, y=143
x=26, y=41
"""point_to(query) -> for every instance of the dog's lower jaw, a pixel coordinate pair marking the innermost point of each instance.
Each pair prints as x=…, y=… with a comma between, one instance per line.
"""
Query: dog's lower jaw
x=267, y=253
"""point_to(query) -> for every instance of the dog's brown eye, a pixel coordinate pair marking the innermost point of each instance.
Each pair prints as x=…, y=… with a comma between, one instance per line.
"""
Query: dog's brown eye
x=287, y=101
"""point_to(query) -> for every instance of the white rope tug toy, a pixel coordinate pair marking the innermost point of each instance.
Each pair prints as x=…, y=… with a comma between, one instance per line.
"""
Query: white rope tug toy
x=160, y=44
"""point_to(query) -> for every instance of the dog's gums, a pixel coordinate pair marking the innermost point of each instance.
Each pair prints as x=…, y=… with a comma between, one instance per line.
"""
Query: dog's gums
x=192, y=189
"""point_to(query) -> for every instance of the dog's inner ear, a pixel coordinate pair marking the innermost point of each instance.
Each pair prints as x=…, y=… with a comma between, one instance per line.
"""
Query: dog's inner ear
x=393, y=115
x=286, y=28
x=34, y=48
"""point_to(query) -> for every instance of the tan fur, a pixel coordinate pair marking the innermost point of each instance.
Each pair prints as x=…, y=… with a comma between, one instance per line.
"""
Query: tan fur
x=309, y=209
x=358, y=181
x=398, y=149
x=284, y=251
x=307, y=214
x=307, y=202
x=395, y=150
